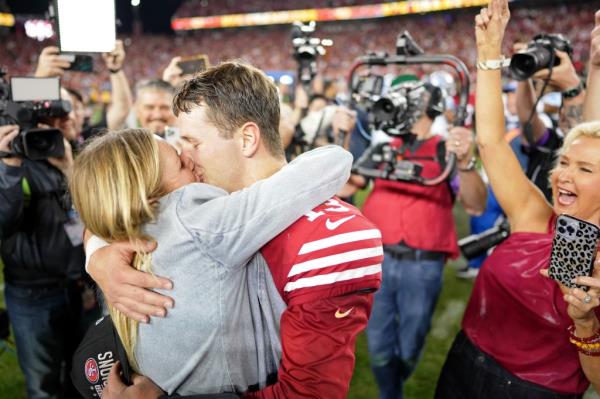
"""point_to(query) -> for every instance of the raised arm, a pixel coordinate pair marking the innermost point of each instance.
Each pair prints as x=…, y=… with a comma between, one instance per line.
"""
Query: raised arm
x=241, y=223
x=591, y=108
x=121, y=97
x=524, y=205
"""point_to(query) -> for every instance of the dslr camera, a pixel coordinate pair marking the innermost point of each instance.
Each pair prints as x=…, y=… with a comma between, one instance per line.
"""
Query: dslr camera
x=26, y=103
x=307, y=49
x=540, y=54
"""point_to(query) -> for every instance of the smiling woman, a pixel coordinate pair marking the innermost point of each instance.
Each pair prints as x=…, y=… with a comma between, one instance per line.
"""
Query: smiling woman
x=524, y=335
x=576, y=178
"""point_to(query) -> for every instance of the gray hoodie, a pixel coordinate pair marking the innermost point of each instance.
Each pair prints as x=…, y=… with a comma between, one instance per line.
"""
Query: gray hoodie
x=223, y=333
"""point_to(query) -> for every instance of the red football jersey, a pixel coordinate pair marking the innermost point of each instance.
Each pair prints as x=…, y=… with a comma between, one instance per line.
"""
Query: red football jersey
x=331, y=251
x=326, y=267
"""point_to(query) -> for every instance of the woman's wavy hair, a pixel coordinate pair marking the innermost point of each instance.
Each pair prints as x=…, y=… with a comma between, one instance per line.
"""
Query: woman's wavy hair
x=115, y=181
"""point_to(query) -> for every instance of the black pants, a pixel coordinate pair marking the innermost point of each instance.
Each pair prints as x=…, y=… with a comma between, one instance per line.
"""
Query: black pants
x=468, y=373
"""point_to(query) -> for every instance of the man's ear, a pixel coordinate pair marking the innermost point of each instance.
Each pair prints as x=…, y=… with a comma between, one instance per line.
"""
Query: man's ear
x=250, y=135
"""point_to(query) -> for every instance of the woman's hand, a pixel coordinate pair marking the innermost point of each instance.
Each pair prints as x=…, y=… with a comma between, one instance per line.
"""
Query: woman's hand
x=581, y=304
x=490, y=25
x=595, y=44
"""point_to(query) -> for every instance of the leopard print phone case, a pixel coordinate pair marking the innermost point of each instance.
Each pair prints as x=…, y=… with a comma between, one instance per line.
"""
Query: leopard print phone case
x=573, y=250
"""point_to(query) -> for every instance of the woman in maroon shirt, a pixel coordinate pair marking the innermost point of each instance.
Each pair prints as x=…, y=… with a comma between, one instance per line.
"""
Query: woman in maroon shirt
x=519, y=326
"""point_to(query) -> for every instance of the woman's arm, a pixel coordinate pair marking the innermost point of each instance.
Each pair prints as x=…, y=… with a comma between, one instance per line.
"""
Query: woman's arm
x=235, y=226
x=591, y=107
x=122, y=99
x=524, y=205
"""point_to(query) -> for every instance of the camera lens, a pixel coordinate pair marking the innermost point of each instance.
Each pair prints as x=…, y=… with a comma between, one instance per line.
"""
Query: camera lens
x=41, y=141
x=383, y=110
x=524, y=65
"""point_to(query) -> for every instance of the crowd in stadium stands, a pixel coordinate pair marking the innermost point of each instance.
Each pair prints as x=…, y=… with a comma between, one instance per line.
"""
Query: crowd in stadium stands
x=270, y=48
x=198, y=8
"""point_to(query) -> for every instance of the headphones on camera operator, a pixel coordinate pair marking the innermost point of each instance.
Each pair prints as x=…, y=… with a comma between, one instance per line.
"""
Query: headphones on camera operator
x=382, y=160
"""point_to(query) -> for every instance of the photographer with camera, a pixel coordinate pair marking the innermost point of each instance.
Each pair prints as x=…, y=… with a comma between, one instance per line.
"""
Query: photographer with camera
x=41, y=245
x=545, y=61
x=418, y=233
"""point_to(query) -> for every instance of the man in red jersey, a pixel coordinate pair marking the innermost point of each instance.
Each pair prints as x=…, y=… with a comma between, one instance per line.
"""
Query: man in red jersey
x=325, y=266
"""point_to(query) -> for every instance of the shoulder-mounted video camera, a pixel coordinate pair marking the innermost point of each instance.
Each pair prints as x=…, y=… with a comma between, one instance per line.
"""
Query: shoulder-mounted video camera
x=26, y=102
x=540, y=54
x=307, y=49
x=396, y=110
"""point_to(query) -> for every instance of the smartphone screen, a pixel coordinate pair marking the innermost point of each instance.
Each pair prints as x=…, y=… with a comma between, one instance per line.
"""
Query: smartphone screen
x=86, y=26
x=79, y=62
x=34, y=89
x=192, y=65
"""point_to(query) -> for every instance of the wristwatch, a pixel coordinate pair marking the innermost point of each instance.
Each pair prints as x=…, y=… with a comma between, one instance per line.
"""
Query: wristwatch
x=574, y=92
x=470, y=166
x=493, y=64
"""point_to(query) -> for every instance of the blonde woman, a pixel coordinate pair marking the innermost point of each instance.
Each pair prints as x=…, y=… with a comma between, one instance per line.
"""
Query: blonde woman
x=522, y=333
x=222, y=336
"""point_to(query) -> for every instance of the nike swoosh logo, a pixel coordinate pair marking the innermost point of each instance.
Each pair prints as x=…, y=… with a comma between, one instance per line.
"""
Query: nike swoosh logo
x=341, y=315
x=334, y=225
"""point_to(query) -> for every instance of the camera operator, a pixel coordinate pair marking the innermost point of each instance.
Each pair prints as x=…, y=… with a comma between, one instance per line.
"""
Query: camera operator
x=418, y=232
x=43, y=261
x=540, y=141
x=591, y=109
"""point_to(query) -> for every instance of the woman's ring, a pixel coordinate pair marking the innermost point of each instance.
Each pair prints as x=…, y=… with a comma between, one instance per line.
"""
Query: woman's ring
x=587, y=299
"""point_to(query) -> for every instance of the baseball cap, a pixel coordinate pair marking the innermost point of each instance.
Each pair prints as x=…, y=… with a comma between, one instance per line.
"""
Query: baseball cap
x=99, y=350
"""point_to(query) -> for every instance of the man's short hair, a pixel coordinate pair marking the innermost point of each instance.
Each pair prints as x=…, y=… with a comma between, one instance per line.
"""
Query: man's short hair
x=154, y=84
x=235, y=93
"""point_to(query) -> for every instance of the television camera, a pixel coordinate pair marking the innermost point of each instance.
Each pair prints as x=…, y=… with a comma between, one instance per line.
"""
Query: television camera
x=307, y=48
x=395, y=111
x=26, y=102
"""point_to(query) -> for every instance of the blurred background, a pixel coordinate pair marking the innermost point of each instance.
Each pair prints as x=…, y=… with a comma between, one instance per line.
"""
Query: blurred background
x=153, y=32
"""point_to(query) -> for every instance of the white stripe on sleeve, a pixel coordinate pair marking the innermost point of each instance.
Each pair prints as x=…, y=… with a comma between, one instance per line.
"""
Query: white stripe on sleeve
x=332, y=277
x=336, y=259
x=339, y=239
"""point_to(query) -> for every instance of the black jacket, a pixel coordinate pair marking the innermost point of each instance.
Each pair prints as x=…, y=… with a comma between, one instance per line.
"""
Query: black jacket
x=35, y=247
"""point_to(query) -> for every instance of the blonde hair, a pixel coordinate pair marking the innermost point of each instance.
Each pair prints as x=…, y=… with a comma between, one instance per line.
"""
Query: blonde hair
x=587, y=129
x=114, y=181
